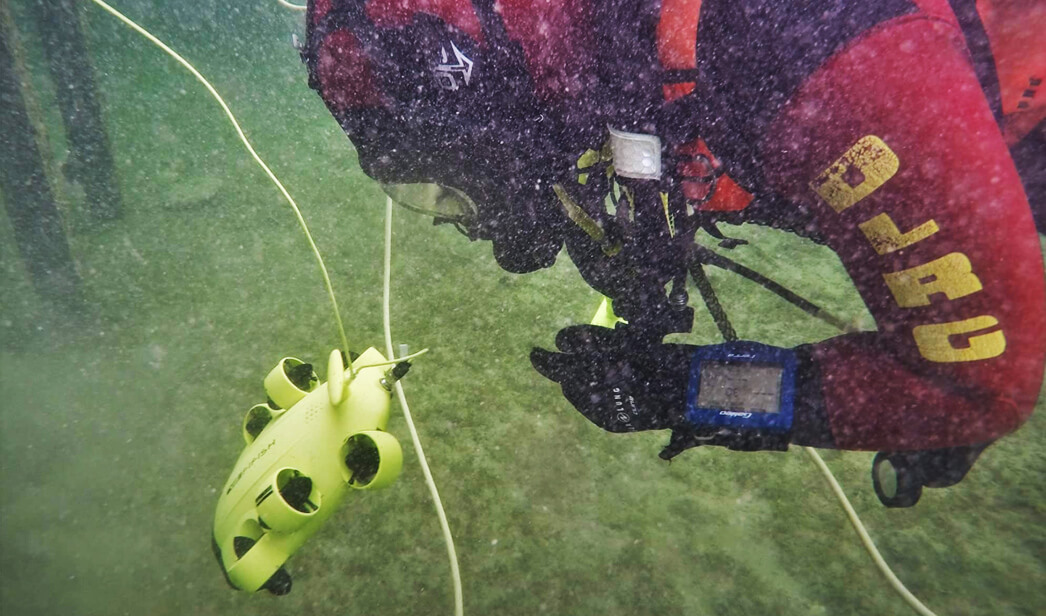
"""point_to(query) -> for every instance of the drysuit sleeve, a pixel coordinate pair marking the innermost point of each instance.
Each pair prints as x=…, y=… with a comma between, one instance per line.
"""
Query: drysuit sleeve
x=892, y=147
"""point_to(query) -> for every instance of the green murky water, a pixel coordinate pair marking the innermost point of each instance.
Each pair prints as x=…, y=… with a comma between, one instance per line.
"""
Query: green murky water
x=121, y=421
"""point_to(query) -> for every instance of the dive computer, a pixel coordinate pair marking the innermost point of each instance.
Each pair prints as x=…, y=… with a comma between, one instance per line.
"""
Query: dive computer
x=744, y=385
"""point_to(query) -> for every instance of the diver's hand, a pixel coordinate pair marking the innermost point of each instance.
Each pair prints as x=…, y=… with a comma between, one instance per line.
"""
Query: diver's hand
x=617, y=382
x=624, y=384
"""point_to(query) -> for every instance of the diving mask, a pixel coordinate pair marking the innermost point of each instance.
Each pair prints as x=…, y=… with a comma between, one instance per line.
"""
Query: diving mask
x=443, y=203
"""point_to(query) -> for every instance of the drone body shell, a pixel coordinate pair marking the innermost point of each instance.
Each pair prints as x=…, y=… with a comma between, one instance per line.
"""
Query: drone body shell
x=293, y=473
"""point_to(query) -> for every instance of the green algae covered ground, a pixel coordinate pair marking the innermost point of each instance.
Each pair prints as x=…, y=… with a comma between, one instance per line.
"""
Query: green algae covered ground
x=119, y=425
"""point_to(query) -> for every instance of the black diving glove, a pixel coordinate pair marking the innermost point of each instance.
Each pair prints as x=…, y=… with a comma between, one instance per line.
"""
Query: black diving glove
x=624, y=384
x=618, y=383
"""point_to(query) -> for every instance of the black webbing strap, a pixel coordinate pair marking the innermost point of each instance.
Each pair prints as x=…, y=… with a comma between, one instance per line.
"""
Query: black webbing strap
x=490, y=21
x=704, y=285
x=981, y=52
x=699, y=254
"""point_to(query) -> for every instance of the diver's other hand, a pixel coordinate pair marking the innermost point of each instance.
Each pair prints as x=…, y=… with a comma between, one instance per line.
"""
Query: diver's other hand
x=615, y=381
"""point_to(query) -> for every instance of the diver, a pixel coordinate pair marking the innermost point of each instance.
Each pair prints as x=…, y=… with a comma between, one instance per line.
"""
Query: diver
x=621, y=128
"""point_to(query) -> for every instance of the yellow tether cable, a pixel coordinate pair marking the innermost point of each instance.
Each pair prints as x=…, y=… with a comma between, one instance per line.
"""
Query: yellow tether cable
x=865, y=538
x=257, y=159
x=444, y=525
x=289, y=5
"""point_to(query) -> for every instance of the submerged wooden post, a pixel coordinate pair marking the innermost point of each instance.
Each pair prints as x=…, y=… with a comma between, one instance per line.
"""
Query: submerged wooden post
x=27, y=195
x=90, y=158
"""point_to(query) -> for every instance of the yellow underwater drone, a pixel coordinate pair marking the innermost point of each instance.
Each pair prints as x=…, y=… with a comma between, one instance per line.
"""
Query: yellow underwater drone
x=310, y=441
x=306, y=446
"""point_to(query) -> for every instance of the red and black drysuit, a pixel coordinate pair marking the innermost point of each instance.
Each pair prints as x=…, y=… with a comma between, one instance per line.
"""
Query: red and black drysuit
x=797, y=102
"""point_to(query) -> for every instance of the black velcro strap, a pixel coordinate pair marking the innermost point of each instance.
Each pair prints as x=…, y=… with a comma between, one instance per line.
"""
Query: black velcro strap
x=981, y=53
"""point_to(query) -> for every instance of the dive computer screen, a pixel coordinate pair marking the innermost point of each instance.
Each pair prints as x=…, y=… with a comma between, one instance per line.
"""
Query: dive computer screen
x=740, y=386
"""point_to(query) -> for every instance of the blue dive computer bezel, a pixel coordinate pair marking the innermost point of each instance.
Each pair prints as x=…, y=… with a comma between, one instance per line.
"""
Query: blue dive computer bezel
x=744, y=353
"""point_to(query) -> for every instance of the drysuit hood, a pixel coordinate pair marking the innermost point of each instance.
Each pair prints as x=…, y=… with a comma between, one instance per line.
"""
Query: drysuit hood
x=427, y=101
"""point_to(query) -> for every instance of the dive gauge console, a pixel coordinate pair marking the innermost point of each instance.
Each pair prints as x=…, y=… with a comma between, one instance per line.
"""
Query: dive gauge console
x=746, y=386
